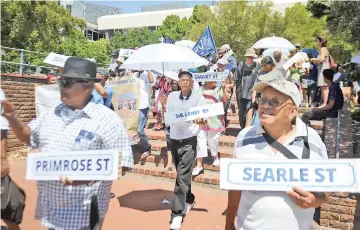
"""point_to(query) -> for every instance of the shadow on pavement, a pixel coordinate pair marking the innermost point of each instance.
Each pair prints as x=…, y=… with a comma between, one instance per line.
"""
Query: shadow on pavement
x=146, y=200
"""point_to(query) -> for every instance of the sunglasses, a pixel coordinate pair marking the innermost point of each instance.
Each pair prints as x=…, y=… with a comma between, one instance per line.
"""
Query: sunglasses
x=68, y=82
x=272, y=102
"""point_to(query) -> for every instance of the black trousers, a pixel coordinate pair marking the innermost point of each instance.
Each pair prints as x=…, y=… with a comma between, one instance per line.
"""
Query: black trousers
x=243, y=105
x=317, y=115
x=183, y=153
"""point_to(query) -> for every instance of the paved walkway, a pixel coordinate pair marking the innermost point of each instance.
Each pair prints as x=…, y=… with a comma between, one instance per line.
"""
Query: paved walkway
x=138, y=204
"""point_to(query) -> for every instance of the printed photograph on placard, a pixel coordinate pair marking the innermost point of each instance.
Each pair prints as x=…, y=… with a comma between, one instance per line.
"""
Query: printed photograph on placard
x=127, y=104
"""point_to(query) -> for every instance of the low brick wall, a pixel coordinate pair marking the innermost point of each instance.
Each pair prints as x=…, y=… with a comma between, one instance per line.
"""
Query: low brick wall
x=20, y=91
x=342, y=210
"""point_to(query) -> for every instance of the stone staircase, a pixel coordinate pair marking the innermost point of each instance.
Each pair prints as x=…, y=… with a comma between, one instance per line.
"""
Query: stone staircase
x=154, y=164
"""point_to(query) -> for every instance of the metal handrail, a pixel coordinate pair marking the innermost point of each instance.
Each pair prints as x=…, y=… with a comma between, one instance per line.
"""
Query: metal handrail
x=21, y=64
x=337, y=138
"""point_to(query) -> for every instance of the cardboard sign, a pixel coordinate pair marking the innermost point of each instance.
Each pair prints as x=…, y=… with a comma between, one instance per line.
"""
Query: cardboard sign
x=76, y=165
x=328, y=175
x=292, y=60
x=193, y=113
x=46, y=97
x=126, y=100
x=126, y=52
x=59, y=60
x=209, y=76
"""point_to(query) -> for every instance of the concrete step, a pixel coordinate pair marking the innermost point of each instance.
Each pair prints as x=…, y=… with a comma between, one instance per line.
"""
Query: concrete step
x=224, y=140
x=151, y=170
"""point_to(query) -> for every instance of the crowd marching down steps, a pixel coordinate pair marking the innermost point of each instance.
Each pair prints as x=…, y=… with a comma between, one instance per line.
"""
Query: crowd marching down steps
x=155, y=164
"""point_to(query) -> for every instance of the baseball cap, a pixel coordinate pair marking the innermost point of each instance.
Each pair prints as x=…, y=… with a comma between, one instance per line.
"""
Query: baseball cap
x=297, y=45
x=283, y=86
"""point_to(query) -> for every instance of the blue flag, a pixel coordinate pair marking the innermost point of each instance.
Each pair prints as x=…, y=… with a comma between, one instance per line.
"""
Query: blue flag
x=169, y=40
x=205, y=44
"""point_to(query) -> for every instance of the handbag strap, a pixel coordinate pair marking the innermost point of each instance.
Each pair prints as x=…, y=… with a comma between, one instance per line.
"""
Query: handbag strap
x=285, y=151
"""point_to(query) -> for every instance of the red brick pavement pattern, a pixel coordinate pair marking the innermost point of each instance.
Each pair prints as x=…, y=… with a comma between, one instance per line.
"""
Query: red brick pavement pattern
x=138, y=204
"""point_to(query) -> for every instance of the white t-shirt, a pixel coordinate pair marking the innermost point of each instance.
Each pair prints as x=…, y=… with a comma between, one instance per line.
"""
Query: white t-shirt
x=145, y=90
x=187, y=129
x=268, y=209
x=4, y=122
x=279, y=66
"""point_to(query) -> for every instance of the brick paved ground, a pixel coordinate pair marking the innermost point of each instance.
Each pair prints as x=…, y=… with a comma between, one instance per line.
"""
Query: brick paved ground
x=138, y=205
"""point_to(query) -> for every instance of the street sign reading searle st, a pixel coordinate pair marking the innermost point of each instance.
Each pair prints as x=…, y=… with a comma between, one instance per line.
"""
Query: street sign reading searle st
x=328, y=175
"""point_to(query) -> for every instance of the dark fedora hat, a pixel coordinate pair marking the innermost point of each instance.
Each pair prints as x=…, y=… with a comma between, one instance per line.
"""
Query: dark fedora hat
x=79, y=68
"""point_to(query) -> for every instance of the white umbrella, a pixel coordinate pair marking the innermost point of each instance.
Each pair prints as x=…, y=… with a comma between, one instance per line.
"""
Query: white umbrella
x=186, y=44
x=273, y=43
x=163, y=56
x=269, y=52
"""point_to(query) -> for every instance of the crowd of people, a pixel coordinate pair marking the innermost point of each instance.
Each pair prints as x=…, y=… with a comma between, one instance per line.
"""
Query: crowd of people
x=268, y=97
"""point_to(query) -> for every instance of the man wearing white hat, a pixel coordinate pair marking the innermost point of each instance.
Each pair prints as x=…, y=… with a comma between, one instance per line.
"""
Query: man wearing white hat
x=279, y=126
x=229, y=85
x=244, y=79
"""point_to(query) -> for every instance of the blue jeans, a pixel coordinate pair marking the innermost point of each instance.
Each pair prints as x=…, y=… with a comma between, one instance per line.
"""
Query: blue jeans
x=140, y=130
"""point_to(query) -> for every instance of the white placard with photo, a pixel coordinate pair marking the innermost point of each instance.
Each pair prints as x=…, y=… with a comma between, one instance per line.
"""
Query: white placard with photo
x=75, y=165
x=328, y=175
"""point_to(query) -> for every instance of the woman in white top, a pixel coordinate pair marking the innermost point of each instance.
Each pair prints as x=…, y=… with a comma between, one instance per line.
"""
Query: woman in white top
x=323, y=62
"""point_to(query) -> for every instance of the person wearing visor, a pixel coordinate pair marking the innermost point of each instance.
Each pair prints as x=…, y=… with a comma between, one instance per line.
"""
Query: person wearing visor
x=76, y=124
x=280, y=135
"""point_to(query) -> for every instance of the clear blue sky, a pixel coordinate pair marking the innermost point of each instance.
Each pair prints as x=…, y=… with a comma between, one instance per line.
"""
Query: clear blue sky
x=135, y=6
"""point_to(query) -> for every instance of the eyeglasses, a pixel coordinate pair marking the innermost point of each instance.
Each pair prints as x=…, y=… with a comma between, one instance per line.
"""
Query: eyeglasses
x=272, y=102
x=174, y=83
x=68, y=82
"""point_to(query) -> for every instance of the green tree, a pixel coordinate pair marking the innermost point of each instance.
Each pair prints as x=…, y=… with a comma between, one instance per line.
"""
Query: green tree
x=200, y=18
x=241, y=24
x=302, y=27
x=344, y=19
x=134, y=38
x=318, y=8
x=36, y=25
x=174, y=28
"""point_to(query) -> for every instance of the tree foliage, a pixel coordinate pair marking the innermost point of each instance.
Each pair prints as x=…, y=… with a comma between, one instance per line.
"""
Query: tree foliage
x=318, y=8
x=44, y=26
x=344, y=19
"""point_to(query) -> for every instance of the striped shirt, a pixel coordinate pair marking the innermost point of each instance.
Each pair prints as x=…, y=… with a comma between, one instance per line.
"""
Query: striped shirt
x=64, y=207
x=267, y=209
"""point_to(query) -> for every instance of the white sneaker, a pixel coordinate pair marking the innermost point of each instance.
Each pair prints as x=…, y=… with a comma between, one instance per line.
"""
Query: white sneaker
x=196, y=171
x=188, y=207
x=216, y=161
x=176, y=223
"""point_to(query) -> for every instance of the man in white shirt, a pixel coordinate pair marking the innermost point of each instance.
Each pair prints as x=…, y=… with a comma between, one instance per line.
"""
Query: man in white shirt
x=145, y=79
x=273, y=210
x=183, y=142
x=280, y=60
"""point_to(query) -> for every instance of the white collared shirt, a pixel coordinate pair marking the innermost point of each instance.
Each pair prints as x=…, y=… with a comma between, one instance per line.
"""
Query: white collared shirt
x=274, y=210
x=60, y=129
x=187, y=129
